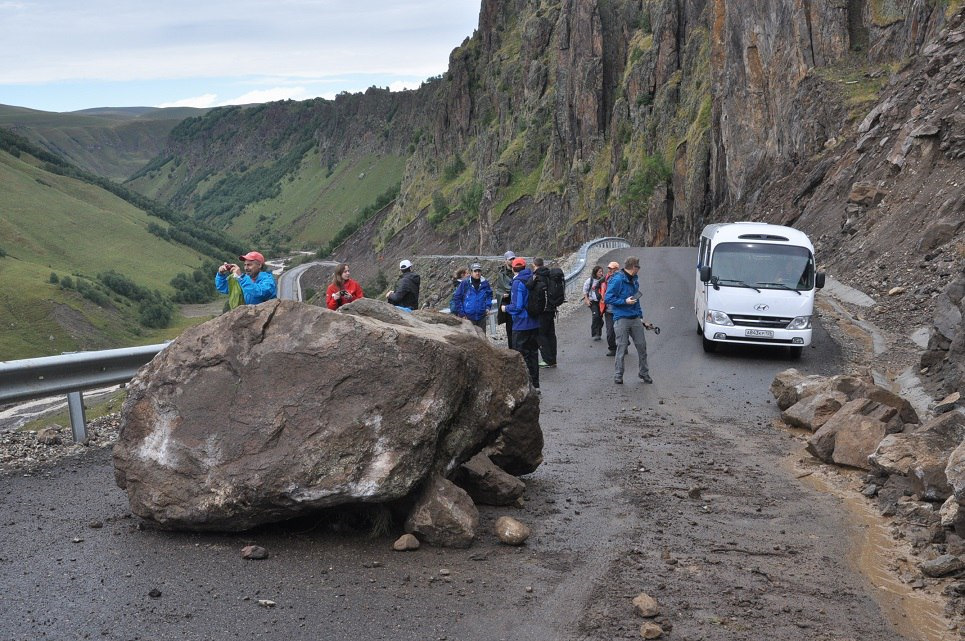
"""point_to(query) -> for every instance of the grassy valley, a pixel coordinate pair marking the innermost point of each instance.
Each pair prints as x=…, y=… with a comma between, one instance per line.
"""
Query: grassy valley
x=60, y=236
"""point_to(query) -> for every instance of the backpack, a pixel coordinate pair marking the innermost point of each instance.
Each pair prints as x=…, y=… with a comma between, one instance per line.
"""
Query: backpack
x=555, y=289
x=536, y=301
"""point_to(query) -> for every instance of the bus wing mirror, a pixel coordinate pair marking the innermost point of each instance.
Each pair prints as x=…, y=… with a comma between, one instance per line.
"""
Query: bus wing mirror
x=819, y=280
x=704, y=273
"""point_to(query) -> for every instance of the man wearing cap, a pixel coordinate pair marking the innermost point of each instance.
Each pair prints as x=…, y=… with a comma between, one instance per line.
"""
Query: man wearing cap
x=611, y=337
x=406, y=292
x=525, y=329
x=623, y=297
x=473, y=297
x=256, y=285
x=504, y=284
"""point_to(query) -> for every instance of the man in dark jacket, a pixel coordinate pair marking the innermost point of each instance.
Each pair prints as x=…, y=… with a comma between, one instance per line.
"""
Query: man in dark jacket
x=524, y=327
x=406, y=292
x=473, y=297
x=546, y=337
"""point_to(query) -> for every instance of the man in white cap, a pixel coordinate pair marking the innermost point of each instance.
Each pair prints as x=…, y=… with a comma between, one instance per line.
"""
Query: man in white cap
x=406, y=292
x=251, y=285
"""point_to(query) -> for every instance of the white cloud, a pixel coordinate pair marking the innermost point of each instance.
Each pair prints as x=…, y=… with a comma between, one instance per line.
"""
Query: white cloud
x=268, y=95
x=207, y=100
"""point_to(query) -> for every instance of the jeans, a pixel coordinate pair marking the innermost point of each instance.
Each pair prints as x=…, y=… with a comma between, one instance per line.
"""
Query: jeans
x=525, y=342
x=546, y=337
x=627, y=328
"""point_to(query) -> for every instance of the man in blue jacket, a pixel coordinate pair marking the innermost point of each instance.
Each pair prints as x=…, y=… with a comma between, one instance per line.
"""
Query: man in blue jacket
x=623, y=297
x=256, y=285
x=525, y=328
x=473, y=297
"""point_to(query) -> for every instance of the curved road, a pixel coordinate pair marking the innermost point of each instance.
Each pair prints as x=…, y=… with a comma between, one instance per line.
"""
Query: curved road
x=678, y=489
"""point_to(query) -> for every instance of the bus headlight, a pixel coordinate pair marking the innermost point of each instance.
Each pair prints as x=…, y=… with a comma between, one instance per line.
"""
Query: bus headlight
x=800, y=322
x=719, y=318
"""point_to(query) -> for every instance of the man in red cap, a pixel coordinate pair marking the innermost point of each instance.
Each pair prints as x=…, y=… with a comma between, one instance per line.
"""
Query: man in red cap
x=256, y=286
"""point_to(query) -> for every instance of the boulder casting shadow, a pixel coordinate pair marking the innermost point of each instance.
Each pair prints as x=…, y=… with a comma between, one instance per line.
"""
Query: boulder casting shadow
x=274, y=411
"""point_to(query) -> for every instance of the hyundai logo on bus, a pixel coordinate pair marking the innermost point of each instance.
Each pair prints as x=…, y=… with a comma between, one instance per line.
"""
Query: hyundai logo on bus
x=762, y=308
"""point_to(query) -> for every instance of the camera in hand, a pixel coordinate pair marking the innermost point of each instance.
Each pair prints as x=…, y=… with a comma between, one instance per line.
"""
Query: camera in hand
x=343, y=293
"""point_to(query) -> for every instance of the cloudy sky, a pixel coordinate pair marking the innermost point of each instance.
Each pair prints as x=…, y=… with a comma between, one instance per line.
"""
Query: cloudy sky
x=64, y=55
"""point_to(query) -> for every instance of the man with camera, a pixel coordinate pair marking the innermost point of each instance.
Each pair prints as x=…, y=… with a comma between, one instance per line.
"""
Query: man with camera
x=256, y=285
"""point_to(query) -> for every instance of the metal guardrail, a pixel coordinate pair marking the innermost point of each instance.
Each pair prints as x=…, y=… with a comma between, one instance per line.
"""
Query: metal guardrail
x=72, y=374
x=608, y=242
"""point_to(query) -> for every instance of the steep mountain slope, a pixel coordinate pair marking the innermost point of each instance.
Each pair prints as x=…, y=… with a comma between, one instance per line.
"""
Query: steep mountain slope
x=113, y=143
x=288, y=172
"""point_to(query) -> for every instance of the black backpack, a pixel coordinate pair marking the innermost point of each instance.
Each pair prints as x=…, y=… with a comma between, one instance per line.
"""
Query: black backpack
x=536, y=302
x=555, y=288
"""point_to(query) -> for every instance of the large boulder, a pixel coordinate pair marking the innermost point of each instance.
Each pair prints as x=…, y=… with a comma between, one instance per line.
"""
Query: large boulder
x=792, y=386
x=811, y=412
x=923, y=455
x=854, y=432
x=276, y=410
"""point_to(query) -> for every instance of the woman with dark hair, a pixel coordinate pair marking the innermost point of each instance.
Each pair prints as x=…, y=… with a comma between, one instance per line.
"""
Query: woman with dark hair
x=591, y=296
x=343, y=289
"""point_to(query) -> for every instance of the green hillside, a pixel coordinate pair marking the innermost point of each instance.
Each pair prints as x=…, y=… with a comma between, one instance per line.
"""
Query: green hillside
x=62, y=227
x=113, y=143
x=313, y=206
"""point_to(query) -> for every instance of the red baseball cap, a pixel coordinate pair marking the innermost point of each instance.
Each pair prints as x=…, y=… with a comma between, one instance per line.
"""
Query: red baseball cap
x=253, y=256
x=519, y=262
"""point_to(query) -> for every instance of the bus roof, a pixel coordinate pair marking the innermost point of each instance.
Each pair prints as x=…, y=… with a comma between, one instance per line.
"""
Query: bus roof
x=756, y=232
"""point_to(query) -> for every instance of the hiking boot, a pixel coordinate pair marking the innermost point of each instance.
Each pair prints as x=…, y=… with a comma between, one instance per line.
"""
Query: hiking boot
x=612, y=352
x=618, y=381
x=646, y=378
x=596, y=338
x=545, y=364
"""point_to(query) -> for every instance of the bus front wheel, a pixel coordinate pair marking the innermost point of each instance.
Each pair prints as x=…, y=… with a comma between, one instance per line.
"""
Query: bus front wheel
x=796, y=352
x=709, y=346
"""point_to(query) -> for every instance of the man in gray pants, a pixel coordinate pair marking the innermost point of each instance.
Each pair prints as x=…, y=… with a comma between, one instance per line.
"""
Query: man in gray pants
x=623, y=297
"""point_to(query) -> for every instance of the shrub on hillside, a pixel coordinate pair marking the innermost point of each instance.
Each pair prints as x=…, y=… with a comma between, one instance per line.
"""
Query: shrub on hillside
x=155, y=313
x=54, y=279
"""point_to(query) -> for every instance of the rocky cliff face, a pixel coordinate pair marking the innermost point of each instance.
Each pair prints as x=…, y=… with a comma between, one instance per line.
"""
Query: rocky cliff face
x=646, y=119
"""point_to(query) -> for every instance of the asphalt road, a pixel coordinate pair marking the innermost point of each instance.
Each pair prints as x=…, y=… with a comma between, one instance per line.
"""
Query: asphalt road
x=757, y=555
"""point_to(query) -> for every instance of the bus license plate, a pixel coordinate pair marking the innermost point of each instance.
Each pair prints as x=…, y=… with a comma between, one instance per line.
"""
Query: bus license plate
x=759, y=333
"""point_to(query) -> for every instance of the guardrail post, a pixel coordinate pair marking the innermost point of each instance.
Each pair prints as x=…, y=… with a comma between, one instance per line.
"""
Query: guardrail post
x=75, y=407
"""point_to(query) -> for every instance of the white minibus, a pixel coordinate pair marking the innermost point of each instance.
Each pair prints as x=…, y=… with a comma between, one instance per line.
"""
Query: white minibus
x=755, y=285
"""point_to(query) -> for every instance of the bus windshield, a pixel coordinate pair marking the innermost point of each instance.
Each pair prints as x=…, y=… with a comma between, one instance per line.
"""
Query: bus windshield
x=763, y=266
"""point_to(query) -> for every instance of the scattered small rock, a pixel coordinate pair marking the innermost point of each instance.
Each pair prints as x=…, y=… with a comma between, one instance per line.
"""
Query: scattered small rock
x=510, y=531
x=646, y=605
x=266, y=603
x=154, y=594
x=651, y=631
x=406, y=542
x=254, y=552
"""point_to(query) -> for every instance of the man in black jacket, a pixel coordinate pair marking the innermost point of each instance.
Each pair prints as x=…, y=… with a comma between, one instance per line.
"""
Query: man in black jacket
x=406, y=292
x=546, y=337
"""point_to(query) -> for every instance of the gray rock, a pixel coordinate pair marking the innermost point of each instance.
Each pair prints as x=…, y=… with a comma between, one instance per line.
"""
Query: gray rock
x=444, y=515
x=942, y=566
x=923, y=456
x=811, y=412
x=276, y=410
x=487, y=483
x=853, y=433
